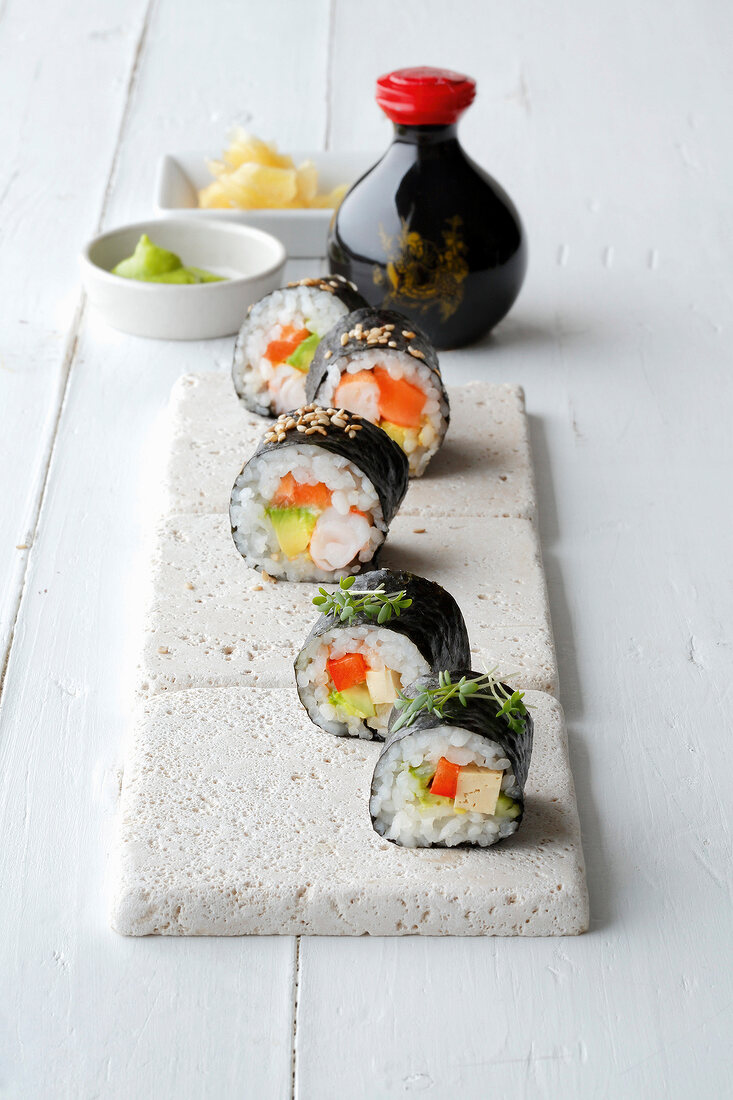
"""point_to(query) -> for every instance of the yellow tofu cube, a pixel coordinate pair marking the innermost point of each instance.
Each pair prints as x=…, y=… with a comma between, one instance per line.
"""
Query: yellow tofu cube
x=383, y=684
x=478, y=789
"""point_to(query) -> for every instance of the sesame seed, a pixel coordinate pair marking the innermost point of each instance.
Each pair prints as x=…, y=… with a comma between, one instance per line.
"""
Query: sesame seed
x=407, y=334
x=416, y=352
x=391, y=343
x=327, y=354
x=418, y=530
x=310, y=431
x=344, y=339
x=300, y=427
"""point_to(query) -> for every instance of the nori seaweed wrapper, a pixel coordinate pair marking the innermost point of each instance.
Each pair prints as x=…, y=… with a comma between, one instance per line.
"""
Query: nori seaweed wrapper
x=370, y=449
x=336, y=285
x=433, y=623
x=346, y=291
x=478, y=716
x=417, y=346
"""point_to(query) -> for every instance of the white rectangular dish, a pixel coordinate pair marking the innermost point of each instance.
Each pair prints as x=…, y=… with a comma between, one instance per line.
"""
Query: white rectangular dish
x=181, y=176
x=240, y=817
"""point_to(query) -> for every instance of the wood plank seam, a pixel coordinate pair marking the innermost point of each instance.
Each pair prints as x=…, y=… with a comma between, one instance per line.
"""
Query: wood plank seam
x=71, y=346
x=73, y=338
x=294, y=1049
x=126, y=109
x=329, y=74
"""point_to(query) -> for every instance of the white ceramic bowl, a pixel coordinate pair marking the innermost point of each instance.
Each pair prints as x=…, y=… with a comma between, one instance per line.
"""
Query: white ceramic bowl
x=164, y=311
x=303, y=232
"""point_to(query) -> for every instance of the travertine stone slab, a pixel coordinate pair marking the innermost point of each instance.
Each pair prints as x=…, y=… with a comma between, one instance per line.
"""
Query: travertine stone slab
x=483, y=469
x=239, y=817
x=214, y=621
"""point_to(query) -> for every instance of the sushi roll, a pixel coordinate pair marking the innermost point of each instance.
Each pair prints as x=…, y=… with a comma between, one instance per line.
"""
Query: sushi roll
x=454, y=765
x=377, y=363
x=315, y=500
x=276, y=343
x=373, y=636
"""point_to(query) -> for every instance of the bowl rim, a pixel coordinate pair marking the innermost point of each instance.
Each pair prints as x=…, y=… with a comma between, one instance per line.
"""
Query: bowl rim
x=215, y=226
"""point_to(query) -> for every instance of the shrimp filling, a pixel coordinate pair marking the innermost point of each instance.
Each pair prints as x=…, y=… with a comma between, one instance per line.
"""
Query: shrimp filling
x=398, y=396
x=312, y=515
x=276, y=345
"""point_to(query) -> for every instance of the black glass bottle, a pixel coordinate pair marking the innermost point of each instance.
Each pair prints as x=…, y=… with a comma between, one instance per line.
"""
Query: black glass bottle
x=427, y=231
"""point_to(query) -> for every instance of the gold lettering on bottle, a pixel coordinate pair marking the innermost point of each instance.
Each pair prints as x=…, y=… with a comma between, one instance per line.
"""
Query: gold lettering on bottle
x=422, y=272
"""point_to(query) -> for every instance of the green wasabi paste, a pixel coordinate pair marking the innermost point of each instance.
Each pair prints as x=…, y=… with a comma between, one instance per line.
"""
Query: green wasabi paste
x=151, y=264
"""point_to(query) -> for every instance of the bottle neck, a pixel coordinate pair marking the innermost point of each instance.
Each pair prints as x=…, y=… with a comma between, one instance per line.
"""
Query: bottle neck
x=425, y=136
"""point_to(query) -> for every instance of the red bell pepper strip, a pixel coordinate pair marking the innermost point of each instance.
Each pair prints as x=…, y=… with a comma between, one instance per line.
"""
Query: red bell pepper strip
x=347, y=670
x=445, y=778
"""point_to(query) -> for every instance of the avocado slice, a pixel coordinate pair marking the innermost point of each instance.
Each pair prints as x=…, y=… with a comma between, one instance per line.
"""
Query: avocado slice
x=303, y=354
x=394, y=431
x=293, y=528
x=355, y=700
x=506, y=807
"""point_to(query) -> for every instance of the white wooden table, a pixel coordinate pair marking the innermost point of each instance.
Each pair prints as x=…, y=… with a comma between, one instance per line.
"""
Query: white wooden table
x=607, y=123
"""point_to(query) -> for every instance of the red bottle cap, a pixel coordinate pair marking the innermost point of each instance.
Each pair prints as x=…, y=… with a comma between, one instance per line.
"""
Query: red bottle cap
x=425, y=96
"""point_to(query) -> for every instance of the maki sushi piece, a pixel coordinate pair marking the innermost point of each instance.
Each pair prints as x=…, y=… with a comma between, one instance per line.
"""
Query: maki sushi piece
x=376, y=363
x=315, y=500
x=454, y=765
x=280, y=334
x=374, y=635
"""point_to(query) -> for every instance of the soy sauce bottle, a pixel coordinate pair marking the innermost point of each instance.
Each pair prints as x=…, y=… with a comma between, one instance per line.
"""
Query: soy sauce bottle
x=426, y=231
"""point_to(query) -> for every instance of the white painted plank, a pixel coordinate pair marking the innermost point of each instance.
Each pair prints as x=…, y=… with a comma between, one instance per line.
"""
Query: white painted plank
x=605, y=129
x=57, y=142
x=89, y=1010
x=62, y=725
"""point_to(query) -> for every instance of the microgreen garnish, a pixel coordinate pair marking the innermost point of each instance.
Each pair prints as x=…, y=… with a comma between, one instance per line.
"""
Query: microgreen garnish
x=376, y=603
x=434, y=700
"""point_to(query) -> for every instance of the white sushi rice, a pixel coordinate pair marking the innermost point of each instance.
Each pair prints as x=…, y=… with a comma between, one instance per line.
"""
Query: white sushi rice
x=381, y=648
x=395, y=806
x=281, y=388
x=420, y=444
x=253, y=533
